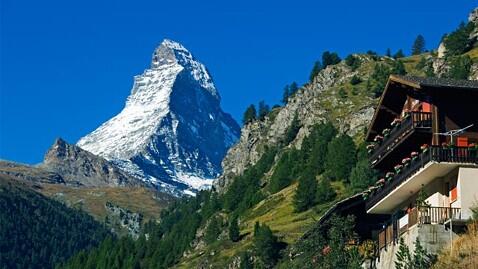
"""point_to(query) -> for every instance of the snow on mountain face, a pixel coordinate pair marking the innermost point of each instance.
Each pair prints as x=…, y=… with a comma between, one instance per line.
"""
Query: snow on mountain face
x=172, y=131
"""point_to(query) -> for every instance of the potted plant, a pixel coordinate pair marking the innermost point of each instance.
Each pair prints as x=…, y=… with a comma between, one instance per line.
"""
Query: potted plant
x=378, y=139
x=386, y=132
x=370, y=147
x=380, y=182
x=396, y=122
x=398, y=168
x=389, y=175
x=414, y=155
x=424, y=148
x=423, y=205
x=406, y=161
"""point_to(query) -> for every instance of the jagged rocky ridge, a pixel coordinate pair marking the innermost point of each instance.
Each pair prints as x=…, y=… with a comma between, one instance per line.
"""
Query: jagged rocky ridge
x=172, y=131
x=80, y=167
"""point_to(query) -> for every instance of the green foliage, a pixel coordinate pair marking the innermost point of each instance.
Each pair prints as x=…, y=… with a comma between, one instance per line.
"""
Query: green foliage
x=419, y=259
x=166, y=242
x=249, y=115
x=398, y=68
x=418, y=45
x=458, y=42
x=245, y=261
x=329, y=58
x=388, y=53
x=422, y=63
x=292, y=131
x=326, y=246
x=379, y=79
x=315, y=70
x=289, y=91
x=213, y=231
x=234, y=232
x=37, y=232
x=355, y=80
x=244, y=191
x=352, y=61
x=325, y=192
x=340, y=157
x=362, y=176
x=342, y=93
x=399, y=54
x=286, y=170
x=305, y=194
x=460, y=67
x=314, y=147
x=264, y=109
x=266, y=245
x=403, y=256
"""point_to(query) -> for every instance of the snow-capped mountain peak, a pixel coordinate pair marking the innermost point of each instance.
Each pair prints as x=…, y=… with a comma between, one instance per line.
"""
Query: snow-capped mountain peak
x=172, y=131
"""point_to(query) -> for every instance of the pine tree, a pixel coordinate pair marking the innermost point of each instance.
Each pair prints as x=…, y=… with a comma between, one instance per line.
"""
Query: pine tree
x=245, y=261
x=340, y=157
x=249, y=115
x=399, y=54
x=234, y=233
x=264, y=109
x=305, y=194
x=403, y=256
x=362, y=176
x=329, y=58
x=212, y=232
x=419, y=45
x=315, y=70
x=266, y=244
x=460, y=67
x=398, y=68
x=285, y=95
x=293, y=88
x=421, y=258
x=293, y=129
x=458, y=42
x=325, y=192
x=388, y=53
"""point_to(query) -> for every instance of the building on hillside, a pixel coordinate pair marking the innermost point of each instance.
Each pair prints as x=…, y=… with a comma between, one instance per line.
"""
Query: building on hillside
x=423, y=141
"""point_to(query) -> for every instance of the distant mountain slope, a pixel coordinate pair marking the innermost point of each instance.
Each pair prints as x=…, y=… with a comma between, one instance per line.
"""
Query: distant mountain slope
x=172, y=131
x=37, y=232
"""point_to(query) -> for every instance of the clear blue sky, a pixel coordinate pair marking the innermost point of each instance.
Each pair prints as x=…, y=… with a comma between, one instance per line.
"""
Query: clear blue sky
x=67, y=66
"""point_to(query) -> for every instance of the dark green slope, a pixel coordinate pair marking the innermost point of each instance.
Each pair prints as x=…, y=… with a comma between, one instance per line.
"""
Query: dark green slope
x=37, y=232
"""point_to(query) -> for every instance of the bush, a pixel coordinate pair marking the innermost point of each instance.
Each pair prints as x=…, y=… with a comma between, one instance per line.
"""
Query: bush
x=352, y=61
x=355, y=80
x=460, y=67
x=266, y=244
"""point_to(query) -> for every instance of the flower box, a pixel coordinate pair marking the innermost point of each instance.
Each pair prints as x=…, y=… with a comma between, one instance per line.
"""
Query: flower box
x=386, y=132
x=389, y=175
x=378, y=138
x=398, y=168
x=406, y=161
x=380, y=182
x=414, y=155
x=424, y=147
x=396, y=122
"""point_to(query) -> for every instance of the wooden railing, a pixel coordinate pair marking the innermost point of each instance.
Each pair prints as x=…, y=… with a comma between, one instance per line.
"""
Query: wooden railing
x=416, y=120
x=435, y=154
x=424, y=215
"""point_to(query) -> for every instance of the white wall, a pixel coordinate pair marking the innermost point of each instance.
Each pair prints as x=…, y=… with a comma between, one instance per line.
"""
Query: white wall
x=467, y=187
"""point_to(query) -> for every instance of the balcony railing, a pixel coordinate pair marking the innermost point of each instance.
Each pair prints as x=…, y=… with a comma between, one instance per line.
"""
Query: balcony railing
x=423, y=215
x=433, y=153
x=415, y=121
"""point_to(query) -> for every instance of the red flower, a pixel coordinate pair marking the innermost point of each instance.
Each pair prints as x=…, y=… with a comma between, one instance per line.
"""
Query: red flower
x=326, y=250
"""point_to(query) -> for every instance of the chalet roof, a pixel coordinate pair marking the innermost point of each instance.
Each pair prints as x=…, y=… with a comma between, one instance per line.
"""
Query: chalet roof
x=398, y=87
x=422, y=82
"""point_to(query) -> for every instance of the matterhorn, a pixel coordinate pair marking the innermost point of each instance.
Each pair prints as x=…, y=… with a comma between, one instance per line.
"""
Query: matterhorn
x=172, y=132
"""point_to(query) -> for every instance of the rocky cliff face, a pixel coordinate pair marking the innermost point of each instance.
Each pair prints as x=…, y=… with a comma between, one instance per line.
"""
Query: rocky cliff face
x=79, y=167
x=316, y=102
x=172, y=131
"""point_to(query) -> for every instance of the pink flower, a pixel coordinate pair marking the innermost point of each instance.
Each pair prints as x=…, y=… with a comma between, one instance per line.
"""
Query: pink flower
x=424, y=146
x=414, y=154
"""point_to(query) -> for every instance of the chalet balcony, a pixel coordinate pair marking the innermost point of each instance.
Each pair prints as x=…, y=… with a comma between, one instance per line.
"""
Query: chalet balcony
x=433, y=162
x=415, y=123
x=423, y=215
